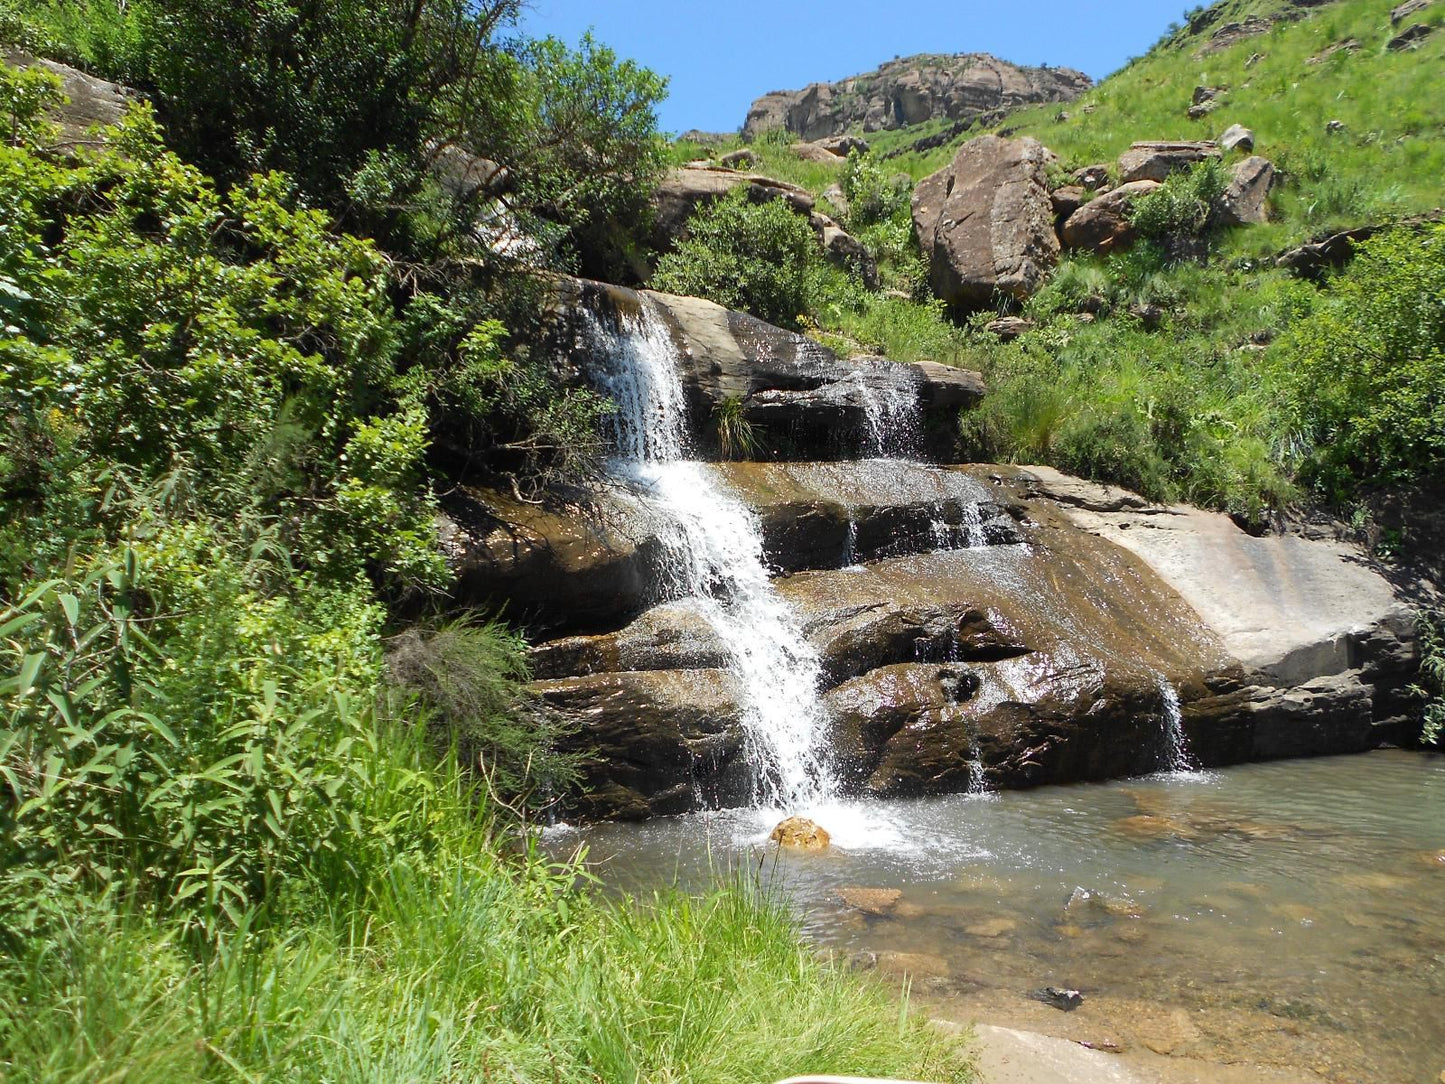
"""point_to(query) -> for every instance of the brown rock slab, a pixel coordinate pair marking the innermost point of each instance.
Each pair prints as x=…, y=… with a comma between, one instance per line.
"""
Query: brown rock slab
x=1156, y=160
x=1102, y=225
x=985, y=222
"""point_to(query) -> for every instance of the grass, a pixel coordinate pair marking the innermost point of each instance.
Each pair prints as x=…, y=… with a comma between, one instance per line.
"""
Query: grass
x=1387, y=159
x=478, y=968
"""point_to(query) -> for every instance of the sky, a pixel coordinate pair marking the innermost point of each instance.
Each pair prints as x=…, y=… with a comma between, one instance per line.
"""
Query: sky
x=721, y=55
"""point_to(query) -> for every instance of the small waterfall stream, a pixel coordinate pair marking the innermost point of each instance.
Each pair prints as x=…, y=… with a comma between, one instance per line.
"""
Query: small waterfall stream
x=715, y=556
x=1174, y=754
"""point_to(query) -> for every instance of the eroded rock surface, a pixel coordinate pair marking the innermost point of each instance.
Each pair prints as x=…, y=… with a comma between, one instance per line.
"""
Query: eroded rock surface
x=985, y=222
x=91, y=102
x=1047, y=650
x=910, y=91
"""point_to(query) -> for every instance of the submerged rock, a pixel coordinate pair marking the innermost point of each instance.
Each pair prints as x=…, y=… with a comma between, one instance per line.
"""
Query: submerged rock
x=871, y=901
x=801, y=834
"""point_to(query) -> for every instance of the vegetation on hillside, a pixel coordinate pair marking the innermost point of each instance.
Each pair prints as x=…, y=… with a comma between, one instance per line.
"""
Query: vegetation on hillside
x=1191, y=367
x=252, y=825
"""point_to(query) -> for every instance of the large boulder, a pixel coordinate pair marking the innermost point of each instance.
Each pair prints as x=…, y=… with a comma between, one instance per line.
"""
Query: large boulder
x=1155, y=161
x=842, y=249
x=909, y=91
x=1102, y=225
x=985, y=222
x=1244, y=201
x=91, y=102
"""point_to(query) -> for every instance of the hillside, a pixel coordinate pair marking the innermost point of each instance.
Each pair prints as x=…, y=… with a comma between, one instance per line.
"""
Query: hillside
x=1196, y=365
x=913, y=90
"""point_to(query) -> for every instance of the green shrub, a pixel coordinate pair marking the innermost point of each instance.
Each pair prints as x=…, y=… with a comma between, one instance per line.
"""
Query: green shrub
x=186, y=738
x=1183, y=206
x=1431, y=687
x=466, y=678
x=758, y=257
x=1366, y=370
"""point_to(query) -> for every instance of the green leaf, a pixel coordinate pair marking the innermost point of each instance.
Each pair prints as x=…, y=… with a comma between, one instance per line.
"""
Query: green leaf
x=30, y=673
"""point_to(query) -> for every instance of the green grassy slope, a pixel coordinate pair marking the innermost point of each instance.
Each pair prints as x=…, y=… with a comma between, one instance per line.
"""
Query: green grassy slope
x=1182, y=379
x=1389, y=157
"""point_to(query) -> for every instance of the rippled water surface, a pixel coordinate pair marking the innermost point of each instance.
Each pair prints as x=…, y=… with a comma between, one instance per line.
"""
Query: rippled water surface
x=1288, y=914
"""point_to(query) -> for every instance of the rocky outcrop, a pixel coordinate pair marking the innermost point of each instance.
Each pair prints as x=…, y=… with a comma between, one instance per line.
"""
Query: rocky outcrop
x=911, y=91
x=802, y=400
x=985, y=222
x=1047, y=647
x=1102, y=225
x=1243, y=202
x=683, y=191
x=90, y=103
x=1156, y=160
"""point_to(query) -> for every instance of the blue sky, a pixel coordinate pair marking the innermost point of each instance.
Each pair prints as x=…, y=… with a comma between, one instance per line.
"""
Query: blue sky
x=722, y=55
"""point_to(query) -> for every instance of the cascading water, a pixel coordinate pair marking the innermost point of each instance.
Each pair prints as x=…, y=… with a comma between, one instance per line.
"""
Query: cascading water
x=891, y=416
x=715, y=556
x=1174, y=754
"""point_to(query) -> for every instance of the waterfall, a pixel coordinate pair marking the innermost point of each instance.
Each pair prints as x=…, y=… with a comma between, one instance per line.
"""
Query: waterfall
x=891, y=417
x=715, y=556
x=1174, y=754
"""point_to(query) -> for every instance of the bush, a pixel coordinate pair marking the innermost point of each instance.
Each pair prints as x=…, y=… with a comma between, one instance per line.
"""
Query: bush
x=466, y=677
x=181, y=736
x=1366, y=370
x=1431, y=687
x=1182, y=208
x=758, y=257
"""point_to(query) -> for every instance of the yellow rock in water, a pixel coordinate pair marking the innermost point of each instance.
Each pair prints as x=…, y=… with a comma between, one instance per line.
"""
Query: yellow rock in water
x=801, y=834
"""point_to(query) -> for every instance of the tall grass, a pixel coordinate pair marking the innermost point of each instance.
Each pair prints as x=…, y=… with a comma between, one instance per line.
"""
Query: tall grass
x=475, y=970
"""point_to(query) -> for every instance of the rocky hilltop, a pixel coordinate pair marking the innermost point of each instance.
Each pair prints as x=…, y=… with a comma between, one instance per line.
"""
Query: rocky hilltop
x=911, y=91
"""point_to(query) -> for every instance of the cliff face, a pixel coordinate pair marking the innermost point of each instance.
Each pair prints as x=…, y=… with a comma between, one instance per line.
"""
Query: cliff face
x=911, y=91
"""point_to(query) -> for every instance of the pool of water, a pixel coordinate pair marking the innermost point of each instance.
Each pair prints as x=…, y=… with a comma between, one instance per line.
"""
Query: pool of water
x=1285, y=915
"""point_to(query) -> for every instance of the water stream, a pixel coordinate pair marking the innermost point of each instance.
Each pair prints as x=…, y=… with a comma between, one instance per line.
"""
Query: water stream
x=715, y=555
x=1285, y=915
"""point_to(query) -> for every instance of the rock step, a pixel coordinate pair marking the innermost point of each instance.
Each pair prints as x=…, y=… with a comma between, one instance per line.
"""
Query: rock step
x=1046, y=661
x=590, y=565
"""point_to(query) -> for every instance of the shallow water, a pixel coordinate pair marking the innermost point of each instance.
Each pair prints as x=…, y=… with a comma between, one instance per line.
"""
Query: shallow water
x=1285, y=914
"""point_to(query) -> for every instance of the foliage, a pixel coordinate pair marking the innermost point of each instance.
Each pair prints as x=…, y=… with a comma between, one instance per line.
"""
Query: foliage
x=466, y=677
x=468, y=968
x=735, y=436
x=240, y=339
x=1367, y=369
x=1183, y=206
x=182, y=737
x=355, y=99
x=758, y=257
x=872, y=198
x=1188, y=412
x=1431, y=686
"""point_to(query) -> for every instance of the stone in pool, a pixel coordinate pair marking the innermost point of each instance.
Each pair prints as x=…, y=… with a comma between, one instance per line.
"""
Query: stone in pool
x=801, y=834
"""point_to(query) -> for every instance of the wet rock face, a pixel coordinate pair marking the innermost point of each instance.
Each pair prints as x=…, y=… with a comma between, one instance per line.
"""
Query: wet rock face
x=911, y=91
x=985, y=222
x=658, y=742
x=1043, y=653
x=803, y=401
